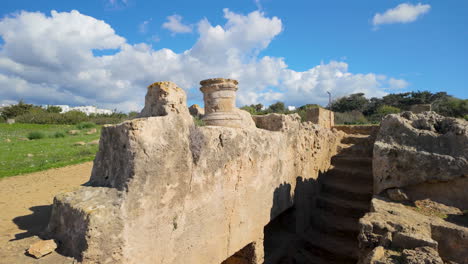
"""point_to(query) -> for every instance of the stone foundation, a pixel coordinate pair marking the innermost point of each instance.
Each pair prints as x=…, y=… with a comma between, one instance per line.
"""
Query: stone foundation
x=163, y=190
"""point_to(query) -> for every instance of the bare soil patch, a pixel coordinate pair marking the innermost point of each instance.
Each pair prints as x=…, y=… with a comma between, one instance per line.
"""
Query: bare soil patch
x=25, y=206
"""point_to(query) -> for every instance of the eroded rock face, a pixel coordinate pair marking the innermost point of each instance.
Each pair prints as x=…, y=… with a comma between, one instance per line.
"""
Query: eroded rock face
x=196, y=111
x=164, y=98
x=425, y=239
x=419, y=148
x=163, y=190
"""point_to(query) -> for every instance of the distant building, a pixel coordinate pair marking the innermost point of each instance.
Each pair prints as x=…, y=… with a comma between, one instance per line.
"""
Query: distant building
x=291, y=108
x=85, y=109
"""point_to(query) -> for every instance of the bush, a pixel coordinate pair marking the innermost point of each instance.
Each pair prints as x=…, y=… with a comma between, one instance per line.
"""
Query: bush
x=198, y=121
x=85, y=125
x=36, y=135
x=350, y=118
x=74, y=117
x=59, y=134
x=13, y=111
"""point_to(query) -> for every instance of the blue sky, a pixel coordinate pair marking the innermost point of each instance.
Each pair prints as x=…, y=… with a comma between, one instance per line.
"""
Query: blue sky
x=293, y=51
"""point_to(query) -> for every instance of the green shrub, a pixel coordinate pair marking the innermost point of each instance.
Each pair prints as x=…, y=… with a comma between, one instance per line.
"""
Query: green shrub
x=74, y=117
x=350, y=118
x=198, y=121
x=59, y=134
x=85, y=125
x=36, y=135
x=13, y=111
x=39, y=116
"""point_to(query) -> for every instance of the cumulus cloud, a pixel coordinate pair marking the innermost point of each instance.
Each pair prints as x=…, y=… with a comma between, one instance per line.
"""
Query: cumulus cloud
x=50, y=60
x=403, y=13
x=175, y=25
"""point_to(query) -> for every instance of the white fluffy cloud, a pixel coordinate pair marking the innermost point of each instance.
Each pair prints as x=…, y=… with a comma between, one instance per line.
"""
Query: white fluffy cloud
x=403, y=13
x=175, y=25
x=50, y=60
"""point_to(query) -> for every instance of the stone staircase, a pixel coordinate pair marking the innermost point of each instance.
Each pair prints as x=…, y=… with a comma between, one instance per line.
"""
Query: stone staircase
x=344, y=196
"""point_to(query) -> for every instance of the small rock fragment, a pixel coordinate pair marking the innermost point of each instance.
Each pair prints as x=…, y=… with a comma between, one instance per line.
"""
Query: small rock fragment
x=397, y=195
x=42, y=248
x=30, y=155
x=92, y=131
x=79, y=143
x=73, y=132
x=421, y=255
x=23, y=139
x=7, y=140
x=94, y=142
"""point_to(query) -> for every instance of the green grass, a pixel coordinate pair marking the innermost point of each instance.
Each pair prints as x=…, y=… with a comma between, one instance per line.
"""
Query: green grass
x=54, y=150
x=85, y=125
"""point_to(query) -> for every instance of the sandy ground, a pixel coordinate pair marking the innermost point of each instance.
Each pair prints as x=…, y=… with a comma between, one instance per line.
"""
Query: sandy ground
x=25, y=206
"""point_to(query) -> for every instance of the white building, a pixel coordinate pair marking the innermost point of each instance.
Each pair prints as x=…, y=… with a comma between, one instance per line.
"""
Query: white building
x=88, y=109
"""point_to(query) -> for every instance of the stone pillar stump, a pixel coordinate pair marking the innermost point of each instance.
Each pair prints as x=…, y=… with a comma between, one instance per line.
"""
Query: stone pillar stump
x=219, y=95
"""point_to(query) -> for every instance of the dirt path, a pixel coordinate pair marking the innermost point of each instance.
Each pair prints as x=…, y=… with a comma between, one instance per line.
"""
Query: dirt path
x=25, y=206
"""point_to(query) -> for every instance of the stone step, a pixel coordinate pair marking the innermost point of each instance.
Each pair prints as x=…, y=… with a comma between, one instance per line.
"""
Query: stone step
x=347, y=188
x=336, y=225
x=305, y=257
x=355, y=150
x=358, y=129
x=341, y=207
x=356, y=175
x=334, y=249
x=351, y=161
x=358, y=139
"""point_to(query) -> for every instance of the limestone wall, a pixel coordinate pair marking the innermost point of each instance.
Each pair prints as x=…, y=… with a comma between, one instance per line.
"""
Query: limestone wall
x=321, y=117
x=163, y=190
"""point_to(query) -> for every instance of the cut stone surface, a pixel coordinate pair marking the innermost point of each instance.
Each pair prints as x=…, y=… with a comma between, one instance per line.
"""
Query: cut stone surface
x=42, y=248
x=321, y=117
x=393, y=225
x=163, y=190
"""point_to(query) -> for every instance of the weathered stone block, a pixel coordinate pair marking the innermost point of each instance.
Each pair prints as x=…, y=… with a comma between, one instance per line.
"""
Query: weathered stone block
x=321, y=117
x=163, y=190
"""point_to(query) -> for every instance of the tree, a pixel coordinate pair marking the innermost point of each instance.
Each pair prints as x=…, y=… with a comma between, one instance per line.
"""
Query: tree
x=53, y=109
x=16, y=110
x=277, y=107
x=349, y=103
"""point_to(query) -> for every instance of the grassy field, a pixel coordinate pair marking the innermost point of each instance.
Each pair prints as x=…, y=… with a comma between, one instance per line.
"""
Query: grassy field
x=57, y=148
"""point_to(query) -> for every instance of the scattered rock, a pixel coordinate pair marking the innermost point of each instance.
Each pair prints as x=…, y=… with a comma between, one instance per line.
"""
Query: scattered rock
x=196, y=111
x=79, y=143
x=7, y=140
x=94, y=142
x=421, y=255
x=42, y=248
x=375, y=255
x=30, y=155
x=91, y=131
x=73, y=132
x=23, y=139
x=397, y=194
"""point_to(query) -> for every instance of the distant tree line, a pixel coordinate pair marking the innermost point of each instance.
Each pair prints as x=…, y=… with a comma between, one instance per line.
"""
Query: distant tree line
x=33, y=114
x=357, y=109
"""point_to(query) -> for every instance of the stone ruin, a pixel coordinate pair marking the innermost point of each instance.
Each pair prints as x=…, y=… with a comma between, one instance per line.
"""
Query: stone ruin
x=245, y=189
x=164, y=190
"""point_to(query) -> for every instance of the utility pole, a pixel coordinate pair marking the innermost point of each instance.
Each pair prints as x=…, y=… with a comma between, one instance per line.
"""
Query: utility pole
x=329, y=99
